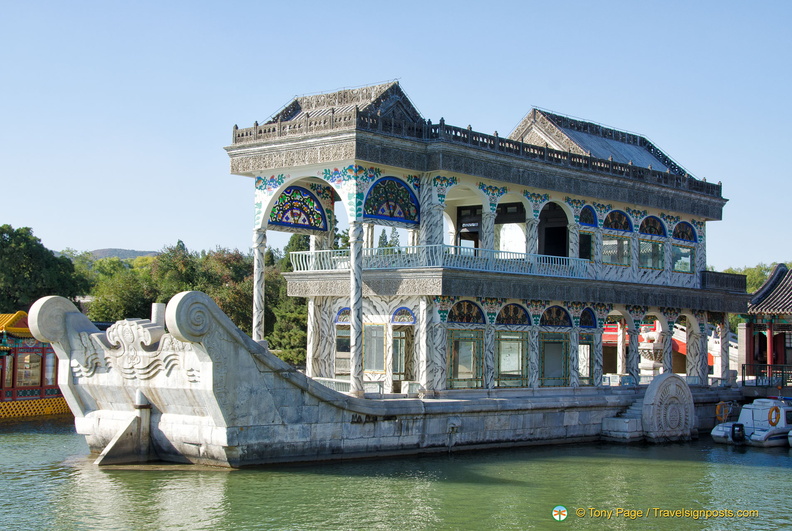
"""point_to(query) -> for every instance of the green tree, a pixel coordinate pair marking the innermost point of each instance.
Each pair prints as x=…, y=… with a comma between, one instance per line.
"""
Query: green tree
x=174, y=270
x=29, y=271
x=383, y=240
x=298, y=242
x=394, y=238
x=121, y=295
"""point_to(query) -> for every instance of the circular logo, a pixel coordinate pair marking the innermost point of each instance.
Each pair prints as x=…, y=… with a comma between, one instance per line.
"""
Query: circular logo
x=559, y=513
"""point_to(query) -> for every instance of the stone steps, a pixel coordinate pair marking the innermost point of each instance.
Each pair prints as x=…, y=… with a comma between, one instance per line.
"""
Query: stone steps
x=627, y=425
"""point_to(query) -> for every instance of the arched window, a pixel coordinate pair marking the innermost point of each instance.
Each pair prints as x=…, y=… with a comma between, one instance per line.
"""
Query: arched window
x=617, y=220
x=587, y=319
x=555, y=316
x=652, y=226
x=588, y=217
x=391, y=199
x=513, y=314
x=298, y=208
x=403, y=316
x=616, y=249
x=685, y=231
x=342, y=317
x=466, y=312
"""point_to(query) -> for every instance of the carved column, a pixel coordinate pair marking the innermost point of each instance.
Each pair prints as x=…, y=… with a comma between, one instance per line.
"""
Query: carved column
x=723, y=336
x=574, y=353
x=489, y=356
x=259, y=248
x=487, y=231
x=356, y=307
x=412, y=237
x=668, y=350
x=574, y=240
x=533, y=357
x=597, y=373
x=633, y=356
x=312, y=368
x=430, y=348
x=668, y=262
x=621, y=349
x=696, y=362
x=635, y=256
x=597, y=252
x=430, y=231
x=532, y=235
x=368, y=236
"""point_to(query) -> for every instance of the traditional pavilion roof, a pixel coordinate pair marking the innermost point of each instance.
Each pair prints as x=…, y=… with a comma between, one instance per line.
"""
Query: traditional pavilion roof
x=386, y=99
x=586, y=138
x=775, y=295
x=14, y=325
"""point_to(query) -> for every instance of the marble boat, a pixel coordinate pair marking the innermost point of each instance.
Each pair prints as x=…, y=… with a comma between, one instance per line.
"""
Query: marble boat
x=206, y=393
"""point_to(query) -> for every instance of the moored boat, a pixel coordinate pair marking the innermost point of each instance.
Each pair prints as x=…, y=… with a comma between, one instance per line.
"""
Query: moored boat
x=765, y=422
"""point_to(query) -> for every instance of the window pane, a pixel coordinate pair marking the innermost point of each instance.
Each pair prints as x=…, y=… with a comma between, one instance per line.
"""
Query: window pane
x=616, y=250
x=584, y=249
x=651, y=254
x=510, y=358
x=464, y=358
x=374, y=348
x=342, y=339
x=9, y=371
x=28, y=370
x=682, y=258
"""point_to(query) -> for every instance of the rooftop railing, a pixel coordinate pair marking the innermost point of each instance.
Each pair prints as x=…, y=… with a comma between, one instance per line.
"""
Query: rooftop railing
x=441, y=132
x=445, y=256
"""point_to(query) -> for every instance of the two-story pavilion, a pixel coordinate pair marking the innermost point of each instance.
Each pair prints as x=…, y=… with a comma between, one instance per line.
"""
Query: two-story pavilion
x=519, y=248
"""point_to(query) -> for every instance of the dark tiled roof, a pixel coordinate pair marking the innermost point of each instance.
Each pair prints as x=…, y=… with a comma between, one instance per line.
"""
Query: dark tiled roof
x=588, y=138
x=387, y=99
x=775, y=295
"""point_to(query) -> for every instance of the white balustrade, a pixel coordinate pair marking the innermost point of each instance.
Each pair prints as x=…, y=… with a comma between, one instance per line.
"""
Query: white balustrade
x=446, y=256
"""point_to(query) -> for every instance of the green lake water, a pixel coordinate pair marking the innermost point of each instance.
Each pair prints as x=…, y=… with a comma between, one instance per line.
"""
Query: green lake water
x=49, y=482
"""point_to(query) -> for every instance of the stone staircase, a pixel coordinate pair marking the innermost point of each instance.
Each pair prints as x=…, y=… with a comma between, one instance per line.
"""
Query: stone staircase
x=627, y=426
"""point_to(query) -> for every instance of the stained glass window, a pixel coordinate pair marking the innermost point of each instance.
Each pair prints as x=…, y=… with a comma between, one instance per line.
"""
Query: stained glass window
x=587, y=319
x=588, y=216
x=685, y=231
x=513, y=314
x=555, y=316
x=298, y=207
x=465, y=312
x=343, y=315
x=403, y=316
x=390, y=198
x=617, y=220
x=653, y=227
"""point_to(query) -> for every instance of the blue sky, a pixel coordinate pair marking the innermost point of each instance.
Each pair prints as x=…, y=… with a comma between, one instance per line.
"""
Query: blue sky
x=114, y=115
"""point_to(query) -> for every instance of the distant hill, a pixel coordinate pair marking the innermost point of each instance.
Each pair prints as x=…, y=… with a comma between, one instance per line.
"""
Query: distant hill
x=123, y=254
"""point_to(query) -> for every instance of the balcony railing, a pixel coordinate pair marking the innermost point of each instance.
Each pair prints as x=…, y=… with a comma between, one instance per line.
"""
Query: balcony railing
x=445, y=256
x=759, y=375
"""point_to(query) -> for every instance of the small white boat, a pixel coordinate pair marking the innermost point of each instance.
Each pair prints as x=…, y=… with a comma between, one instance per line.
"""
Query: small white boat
x=765, y=422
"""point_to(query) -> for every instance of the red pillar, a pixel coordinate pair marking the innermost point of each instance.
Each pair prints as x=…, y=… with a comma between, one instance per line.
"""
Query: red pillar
x=770, y=348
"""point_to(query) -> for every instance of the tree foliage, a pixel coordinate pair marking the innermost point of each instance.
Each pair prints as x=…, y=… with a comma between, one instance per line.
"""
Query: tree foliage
x=29, y=271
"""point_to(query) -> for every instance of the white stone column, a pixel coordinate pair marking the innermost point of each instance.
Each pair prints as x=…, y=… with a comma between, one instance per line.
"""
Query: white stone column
x=487, y=230
x=356, y=307
x=531, y=235
x=633, y=356
x=533, y=357
x=368, y=236
x=489, y=357
x=574, y=353
x=413, y=237
x=635, y=256
x=668, y=350
x=696, y=362
x=621, y=349
x=597, y=252
x=312, y=368
x=597, y=374
x=259, y=248
x=574, y=239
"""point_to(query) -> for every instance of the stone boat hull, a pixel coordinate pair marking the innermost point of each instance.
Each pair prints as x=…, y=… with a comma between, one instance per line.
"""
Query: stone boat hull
x=206, y=393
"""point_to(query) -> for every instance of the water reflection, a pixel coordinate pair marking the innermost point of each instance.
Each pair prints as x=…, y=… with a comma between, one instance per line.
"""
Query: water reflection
x=56, y=486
